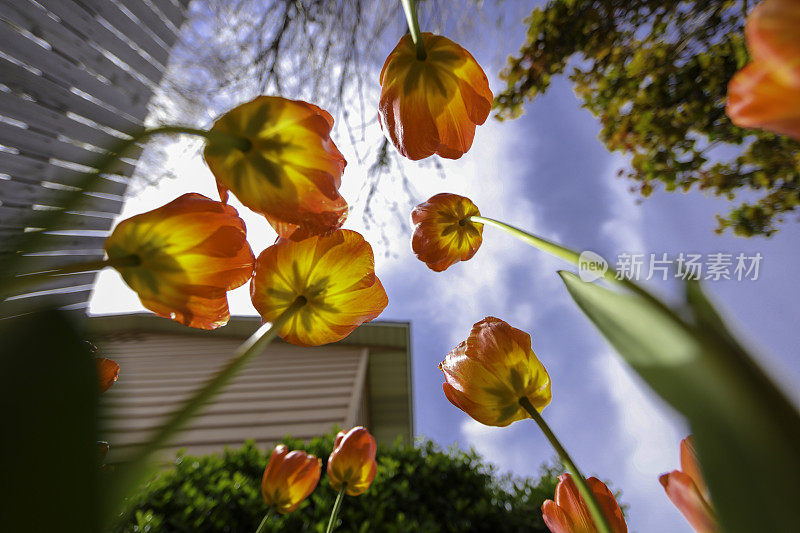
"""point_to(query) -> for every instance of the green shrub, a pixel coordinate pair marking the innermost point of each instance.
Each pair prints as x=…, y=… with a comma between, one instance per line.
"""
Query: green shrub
x=418, y=488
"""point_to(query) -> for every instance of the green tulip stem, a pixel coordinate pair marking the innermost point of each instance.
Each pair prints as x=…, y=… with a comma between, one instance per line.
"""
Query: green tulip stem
x=410, y=7
x=262, y=527
x=53, y=217
x=587, y=495
x=335, y=512
x=568, y=255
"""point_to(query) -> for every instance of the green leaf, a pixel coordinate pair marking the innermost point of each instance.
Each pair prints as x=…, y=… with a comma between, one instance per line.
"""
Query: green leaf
x=48, y=452
x=746, y=431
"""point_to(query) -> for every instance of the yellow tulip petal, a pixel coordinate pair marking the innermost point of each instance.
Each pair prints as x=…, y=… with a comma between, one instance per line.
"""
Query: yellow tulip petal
x=488, y=374
x=432, y=106
x=293, y=170
x=442, y=236
x=773, y=38
x=189, y=253
x=758, y=99
x=352, y=462
x=289, y=478
x=335, y=274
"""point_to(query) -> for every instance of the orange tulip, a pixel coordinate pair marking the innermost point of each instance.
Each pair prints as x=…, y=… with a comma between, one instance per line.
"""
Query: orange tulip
x=488, y=374
x=688, y=491
x=773, y=38
x=766, y=92
x=290, y=477
x=432, y=105
x=182, y=258
x=335, y=274
x=757, y=98
x=107, y=373
x=292, y=171
x=569, y=514
x=352, y=463
x=442, y=234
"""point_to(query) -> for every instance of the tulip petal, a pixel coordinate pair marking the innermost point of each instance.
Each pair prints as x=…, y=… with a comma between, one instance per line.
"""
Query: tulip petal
x=569, y=513
x=352, y=462
x=107, y=373
x=432, y=105
x=442, y=236
x=289, y=478
x=190, y=252
x=555, y=519
x=488, y=374
x=773, y=38
x=336, y=276
x=293, y=170
x=685, y=495
x=758, y=99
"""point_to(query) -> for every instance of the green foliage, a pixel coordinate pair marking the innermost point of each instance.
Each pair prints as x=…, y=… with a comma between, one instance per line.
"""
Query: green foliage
x=418, y=488
x=656, y=75
x=746, y=431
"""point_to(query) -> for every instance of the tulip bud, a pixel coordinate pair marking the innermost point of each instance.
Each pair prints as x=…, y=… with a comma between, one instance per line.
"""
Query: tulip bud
x=290, y=477
x=352, y=463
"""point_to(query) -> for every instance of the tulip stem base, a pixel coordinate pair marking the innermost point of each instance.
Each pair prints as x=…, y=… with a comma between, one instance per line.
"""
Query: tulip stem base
x=335, y=512
x=262, y=527
x=132, y=470
x=586, y=493
x=410, y=8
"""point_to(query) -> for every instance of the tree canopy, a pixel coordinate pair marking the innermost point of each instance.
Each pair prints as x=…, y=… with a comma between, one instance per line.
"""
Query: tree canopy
x=417, y=488
x=655, y=73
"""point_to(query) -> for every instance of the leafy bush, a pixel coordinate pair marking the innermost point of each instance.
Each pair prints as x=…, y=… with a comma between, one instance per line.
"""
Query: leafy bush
x=418, y=488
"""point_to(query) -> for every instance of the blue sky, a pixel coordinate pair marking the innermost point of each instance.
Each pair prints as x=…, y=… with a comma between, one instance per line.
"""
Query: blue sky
x=545, y=172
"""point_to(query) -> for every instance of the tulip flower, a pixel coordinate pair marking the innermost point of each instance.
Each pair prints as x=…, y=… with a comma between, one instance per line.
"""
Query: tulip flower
x=687, y=490
x=757, y=98
x=489, y=374
x=766, y=92
x=334, y=275
x=107, y=373
x=291, y=170
x=290, y=477
x=772, y=38
x=432, y=105
x=352, y=465
x=569, y=513
x=182, y=258
x=443, y=233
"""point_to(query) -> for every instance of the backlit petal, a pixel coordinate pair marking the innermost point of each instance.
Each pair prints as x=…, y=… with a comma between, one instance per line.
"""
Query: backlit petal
x=569, y=513
x=432, y=106
x=773, y=38
x=352, y=462
x=442, y=235
x=289, y=478
x=293, y=170
x=189, y=253
x=335, y=274
x=488, y=374
x=757, y=98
